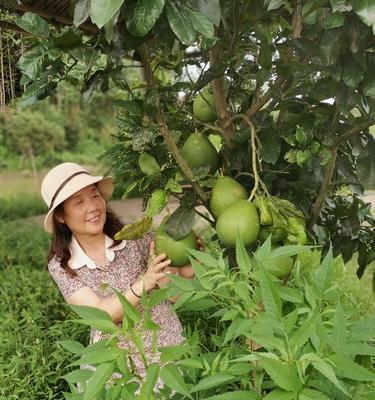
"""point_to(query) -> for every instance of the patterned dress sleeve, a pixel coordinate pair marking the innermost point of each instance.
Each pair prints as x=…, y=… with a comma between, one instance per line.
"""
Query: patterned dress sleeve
x=66, y=283
x=144, y=247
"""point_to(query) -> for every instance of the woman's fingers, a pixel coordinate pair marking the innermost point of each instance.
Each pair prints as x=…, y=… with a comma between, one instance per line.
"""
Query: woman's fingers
x=158, y=267
x=158, y=259
x=152, y=247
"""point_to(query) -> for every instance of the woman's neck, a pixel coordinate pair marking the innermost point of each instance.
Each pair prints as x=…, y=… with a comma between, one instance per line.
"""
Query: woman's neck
x=91, y=243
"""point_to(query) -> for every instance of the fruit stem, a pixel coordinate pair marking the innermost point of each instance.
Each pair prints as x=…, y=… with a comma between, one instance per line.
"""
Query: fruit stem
x=257, y=180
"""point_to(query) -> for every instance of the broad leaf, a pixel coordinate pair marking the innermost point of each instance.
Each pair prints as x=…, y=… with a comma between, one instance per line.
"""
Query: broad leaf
x=33, y=24
x=81, y=11
x=351, y=370
x=279, y=395
x=211, y=9
x=281, y=373
x=99, y=356
x=311, y=394
x=300, y=337
x=136, y=230
x=363, y=329
x=72, y=346
x=171, y=376
x=88, y=312
x=180, y=223
x=78, y=375
x=212, y=381
x=180, y=24
x=238, y=395
x=129, y=310
x=98, y=380
x=339, y=326
x=200, y=22
x=325, y=275
x=102, y=11
x=365, y=9
x=144, y=16
x=238, y=327
x=150, y=382
x=242, y=257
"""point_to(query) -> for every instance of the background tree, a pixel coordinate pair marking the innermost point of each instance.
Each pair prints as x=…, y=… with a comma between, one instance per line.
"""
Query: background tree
x=299, y=73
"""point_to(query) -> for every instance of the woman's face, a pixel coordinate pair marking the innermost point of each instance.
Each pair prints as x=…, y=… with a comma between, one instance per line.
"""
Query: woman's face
x=85, y=211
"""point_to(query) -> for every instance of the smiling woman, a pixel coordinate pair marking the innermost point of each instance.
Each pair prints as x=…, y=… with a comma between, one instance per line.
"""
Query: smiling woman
x=84, y=254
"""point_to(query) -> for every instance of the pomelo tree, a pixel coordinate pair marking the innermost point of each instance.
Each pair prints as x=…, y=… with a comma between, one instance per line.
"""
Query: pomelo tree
x=277, y=95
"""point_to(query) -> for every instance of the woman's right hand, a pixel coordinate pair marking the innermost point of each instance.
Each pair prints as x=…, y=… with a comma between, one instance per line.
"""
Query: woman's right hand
x=155, y=269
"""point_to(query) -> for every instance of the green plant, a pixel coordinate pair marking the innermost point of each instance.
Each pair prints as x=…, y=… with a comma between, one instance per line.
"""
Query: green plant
x=32, y=320
x=20, y=207
x=254, y=336
x=23, y=242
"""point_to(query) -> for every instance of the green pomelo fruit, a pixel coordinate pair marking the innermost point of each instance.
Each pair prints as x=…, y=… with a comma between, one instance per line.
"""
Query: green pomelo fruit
x=225, y=192
x=198, y=151
x=280, y=266
x=241, y=217
x=204, y=106
x=278, y=234
x=176, y=250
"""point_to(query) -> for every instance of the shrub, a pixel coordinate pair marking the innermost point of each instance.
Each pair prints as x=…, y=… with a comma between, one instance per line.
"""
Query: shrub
x=20, y=207
x=23, y=242
x=33, y=319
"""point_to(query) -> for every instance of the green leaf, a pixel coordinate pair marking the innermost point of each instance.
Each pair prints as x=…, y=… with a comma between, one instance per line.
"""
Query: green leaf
x=301, y=336
x=275, y=4
x=346, y=368
x=281, y=373
x=330, y=46
x=270, y=147
x=354, y=348
x=129, y=310
x=81, y=11
x=88, y=312
x=340, y=5
x=33, y=24
x=72, y=346
x=242, y=257
x=334, y=20
x=180, y=223
x=212, y=381
x=242, y=290
x=171, y=376
x=136, y=230
x=150, y=382
x=99, y=356
x=98, y=380
x=238, y=327
x=290, y=294
x=339, y=326
x=279, y=395
x=270, y=296
x=311, y=394
x=79, y=375
x=325, y=369
x=364, y=329
x=365, y=9
x=352, y=73
x=200, y=23
x=180, y=24
x=103, y=325
x=102, y=11
x=211, y=9
x=237, y=395
x=325, y=274
x=145, y=15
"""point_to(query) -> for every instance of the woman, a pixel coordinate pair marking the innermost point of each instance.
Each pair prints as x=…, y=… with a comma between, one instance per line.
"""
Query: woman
x=86, y=262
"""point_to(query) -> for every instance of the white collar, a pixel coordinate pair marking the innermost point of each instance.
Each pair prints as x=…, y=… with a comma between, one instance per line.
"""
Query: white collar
x=79, y=258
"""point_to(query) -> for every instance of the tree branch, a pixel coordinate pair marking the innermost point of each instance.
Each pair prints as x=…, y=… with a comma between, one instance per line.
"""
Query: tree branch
x=221, y=101
x=329, y=170
x=185, y=168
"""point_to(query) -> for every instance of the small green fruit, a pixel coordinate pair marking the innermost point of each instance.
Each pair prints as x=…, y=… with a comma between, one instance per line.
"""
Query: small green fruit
x=148, y=165
x=204, y=106
x=278, y=234
x=225, y=192
x=176, y=250
x=198, y=151
x=241, y=217
x=280, y=266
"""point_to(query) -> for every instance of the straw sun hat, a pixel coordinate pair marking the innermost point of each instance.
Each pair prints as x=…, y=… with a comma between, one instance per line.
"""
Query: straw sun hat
x=66, y=179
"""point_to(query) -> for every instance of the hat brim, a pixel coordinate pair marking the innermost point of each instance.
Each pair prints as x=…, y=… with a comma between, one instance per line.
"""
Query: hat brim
x=105, y=186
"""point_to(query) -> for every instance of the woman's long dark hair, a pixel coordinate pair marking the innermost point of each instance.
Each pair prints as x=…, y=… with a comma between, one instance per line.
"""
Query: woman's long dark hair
x=62, y=236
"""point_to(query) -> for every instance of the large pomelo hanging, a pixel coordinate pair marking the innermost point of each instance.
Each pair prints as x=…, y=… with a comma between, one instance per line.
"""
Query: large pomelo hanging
x=241, y=217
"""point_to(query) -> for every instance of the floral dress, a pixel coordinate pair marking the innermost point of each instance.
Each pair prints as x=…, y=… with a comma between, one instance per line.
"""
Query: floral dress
x=129, y=261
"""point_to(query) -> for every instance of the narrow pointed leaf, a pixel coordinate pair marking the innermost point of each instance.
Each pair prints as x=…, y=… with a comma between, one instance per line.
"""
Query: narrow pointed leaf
x=171, y=376
x=98, y=380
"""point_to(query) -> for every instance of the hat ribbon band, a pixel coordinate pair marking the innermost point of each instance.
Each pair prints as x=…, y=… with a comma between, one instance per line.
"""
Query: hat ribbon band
x=69, y=178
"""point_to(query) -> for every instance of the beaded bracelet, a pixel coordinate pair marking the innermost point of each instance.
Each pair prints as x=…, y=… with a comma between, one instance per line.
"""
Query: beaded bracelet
x=135, y=294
